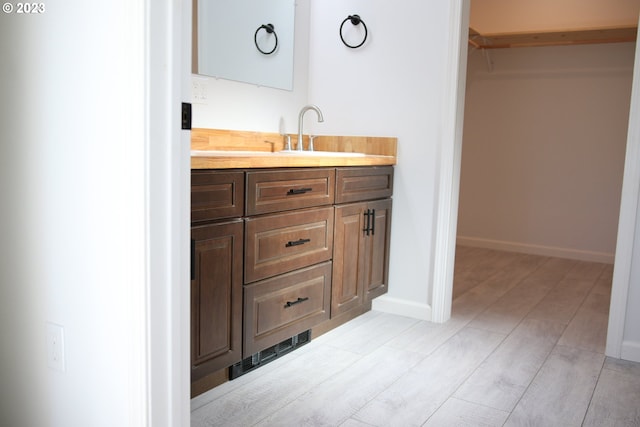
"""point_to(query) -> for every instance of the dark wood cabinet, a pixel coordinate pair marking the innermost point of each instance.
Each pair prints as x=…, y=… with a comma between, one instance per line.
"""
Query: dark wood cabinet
x=363, y=183
x=216, y=297
x=216, y=195
x=278, y=190
x=361, y=254
x=347, y=286
x=217, y=248
x=362, y=233
x=376, y=249
x=276, y=252
x=283, y=306
x=288, y=251
x=279, y=243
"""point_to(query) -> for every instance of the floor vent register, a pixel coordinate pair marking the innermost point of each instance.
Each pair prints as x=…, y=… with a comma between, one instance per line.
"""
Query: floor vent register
x=263, y=357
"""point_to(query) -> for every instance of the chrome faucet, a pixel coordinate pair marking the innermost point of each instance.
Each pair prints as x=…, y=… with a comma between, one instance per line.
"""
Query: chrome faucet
x=300, y=117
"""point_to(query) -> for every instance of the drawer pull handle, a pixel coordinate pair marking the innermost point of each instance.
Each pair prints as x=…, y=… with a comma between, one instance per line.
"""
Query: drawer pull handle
x=298, y=301
x=295, y=191
x=297, y=243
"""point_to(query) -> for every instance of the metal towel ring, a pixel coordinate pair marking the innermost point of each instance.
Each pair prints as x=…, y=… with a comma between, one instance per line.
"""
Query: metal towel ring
x=270, y=30
x=355, y=20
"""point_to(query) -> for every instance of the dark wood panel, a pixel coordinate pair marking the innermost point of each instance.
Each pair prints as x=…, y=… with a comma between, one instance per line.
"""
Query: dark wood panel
x=216, y=297
x=216, y=195
x=275, y=244
x=282, y=190
x=376, y=264
x=347, y=289
x=363, y=183
x=278, y=308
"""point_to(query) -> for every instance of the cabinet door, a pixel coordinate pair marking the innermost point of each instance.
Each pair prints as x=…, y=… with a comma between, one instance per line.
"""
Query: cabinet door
x=376, y=259
x=347, y=289
x=216, y=297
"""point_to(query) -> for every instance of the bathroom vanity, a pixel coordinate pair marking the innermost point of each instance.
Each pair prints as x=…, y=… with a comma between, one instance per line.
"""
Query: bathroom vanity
x=282, y=253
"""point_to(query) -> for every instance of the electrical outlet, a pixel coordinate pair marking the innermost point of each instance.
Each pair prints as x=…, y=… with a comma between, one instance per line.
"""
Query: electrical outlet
x=199, y=91
x=55, y=347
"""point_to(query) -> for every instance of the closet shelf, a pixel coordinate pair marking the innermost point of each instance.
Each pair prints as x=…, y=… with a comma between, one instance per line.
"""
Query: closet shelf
x=552, y=38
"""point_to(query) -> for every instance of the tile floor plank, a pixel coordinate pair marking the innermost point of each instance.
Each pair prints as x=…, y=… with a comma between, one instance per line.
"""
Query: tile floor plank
x=426, y=337
x=246, y=405
x=458, y=413
x=503, y=377
x=616, y=401
x=588, y=328
x=559, y=395
x=347, y=391
x=504, y=315
x=525, y=344
x=375, y=333
x=412, y=399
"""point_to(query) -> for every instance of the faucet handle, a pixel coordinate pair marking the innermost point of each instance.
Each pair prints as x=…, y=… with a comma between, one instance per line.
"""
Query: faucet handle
x=287, y=144
x=311, y=138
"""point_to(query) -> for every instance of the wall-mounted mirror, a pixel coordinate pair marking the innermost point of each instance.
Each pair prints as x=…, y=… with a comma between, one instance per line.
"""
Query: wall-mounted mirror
x=228, y=33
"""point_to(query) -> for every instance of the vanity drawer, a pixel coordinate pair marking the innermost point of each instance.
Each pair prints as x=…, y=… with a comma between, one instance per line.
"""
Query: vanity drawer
x=275, y=244
x=367, y=183
x=216, y=195
x=282, y=190
x=280, y=307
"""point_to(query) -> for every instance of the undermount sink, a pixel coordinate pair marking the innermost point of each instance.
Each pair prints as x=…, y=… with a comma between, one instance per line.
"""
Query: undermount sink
x=321, y=153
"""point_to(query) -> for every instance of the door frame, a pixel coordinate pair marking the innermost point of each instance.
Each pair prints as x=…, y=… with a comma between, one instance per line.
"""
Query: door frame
x=449, y=186
x=167, y=149
x=627, y=224
x=449, y=164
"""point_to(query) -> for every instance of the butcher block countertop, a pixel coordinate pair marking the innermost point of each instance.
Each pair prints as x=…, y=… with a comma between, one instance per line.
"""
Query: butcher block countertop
x=231, y=149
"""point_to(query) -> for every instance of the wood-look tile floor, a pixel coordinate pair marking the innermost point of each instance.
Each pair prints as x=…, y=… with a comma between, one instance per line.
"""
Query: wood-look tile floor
x=524, y=347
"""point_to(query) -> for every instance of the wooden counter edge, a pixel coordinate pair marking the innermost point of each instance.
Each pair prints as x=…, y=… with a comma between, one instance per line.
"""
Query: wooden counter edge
x=275, y=161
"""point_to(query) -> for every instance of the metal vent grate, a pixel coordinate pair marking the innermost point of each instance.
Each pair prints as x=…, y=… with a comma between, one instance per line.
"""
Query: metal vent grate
x=267, y=355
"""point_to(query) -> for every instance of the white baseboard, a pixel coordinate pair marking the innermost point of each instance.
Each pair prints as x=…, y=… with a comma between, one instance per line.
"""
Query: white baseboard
x=630, y=351
x=536, y=249
x=401, y=307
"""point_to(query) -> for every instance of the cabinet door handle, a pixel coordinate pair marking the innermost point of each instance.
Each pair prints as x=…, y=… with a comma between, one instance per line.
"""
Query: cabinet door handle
x=373, y=221
x=298, y=301
x=368, y=222
x=193, y=259
x=297, y=243
x=295, y=191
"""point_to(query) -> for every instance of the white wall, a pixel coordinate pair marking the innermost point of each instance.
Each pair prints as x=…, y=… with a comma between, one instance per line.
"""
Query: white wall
x=242, y=106
x=21, y=365
x=392, y=86
x=74, y=183
x=544, y=145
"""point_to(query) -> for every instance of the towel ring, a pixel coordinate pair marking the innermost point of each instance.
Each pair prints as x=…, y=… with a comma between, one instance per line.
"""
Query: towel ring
x=270, y=30
x=355, y=20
